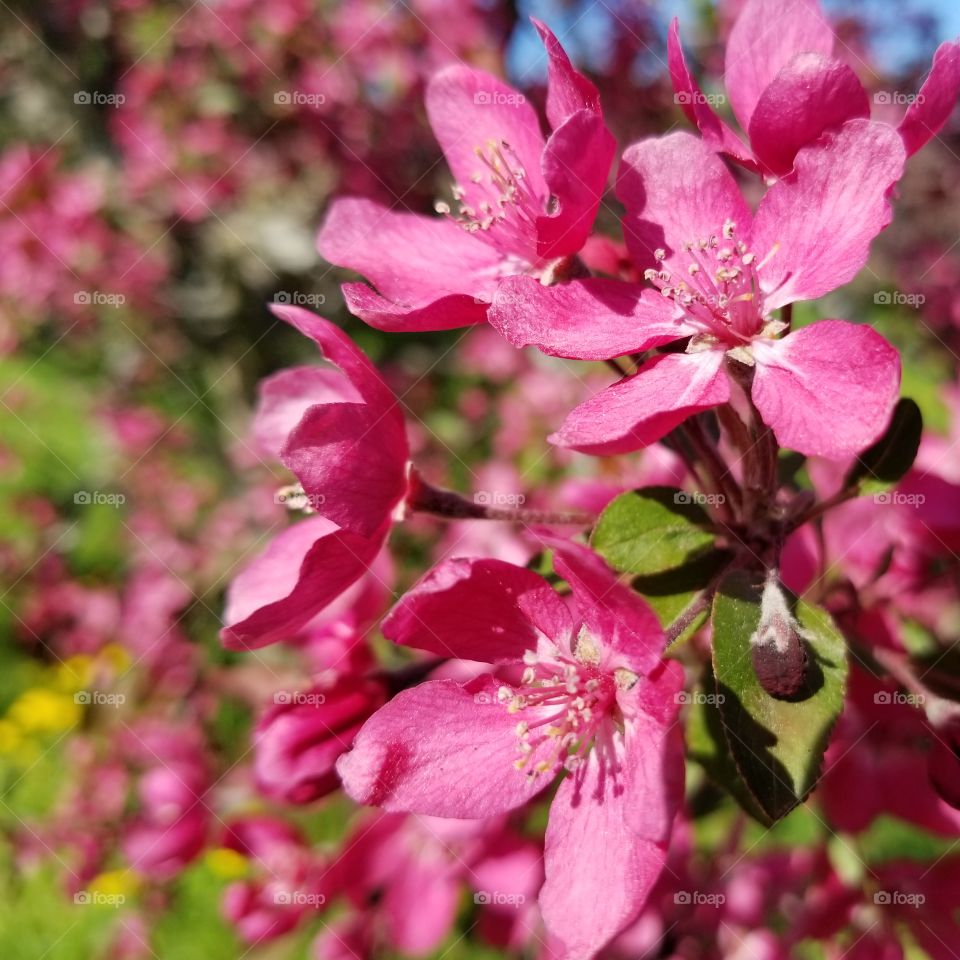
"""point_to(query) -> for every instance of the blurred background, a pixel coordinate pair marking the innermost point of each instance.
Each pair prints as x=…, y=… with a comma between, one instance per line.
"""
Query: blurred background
x=163, y=170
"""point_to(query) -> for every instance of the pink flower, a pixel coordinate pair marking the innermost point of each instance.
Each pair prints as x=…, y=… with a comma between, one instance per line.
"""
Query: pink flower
x=786, y=88
x=526, y=205
x=298, y=740
x=827, y=389
x=286, y=886
x=579, y=687
x=348, y=449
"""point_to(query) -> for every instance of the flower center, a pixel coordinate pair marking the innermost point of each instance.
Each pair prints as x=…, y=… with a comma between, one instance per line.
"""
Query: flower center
x=501, y=204
x=721, y=290
x=568, y=699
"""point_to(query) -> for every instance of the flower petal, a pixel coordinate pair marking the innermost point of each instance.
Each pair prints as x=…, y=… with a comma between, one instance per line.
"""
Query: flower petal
x=591, y=319
x=352, y=463
x=639, y=410
x=819, y=224
x=695, y=106
x=442, y=749
x=470, y=610
x=285, y=396
x=812, y=93
x=445, y=313
x=576, y=165
x=469, y=110
x=926, y=116
x=828, y=389
x=412, y=260
x=767, y=35
x=302, y=570
x=616, y=614
x=341, y=351
x=676, y=190
x=599, y=873
x=568, y=90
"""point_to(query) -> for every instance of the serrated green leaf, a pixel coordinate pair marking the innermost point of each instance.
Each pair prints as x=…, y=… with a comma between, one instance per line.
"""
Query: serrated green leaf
x=652, y=530
x=670, y=593
x=880, y=467
x=777, y=744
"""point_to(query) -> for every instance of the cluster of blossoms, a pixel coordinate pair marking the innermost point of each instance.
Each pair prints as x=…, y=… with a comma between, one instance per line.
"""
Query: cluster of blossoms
x=704, y=567
x=560, y=670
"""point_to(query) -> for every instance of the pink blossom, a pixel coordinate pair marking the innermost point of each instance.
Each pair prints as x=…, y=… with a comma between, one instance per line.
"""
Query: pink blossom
x=827, y=389
x=526, y=205
x=298, y=740
x=578, y=687
x=349, y=452
x=787, y=88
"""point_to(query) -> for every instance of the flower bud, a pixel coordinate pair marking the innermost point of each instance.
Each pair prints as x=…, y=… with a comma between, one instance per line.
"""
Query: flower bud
x=777, y=649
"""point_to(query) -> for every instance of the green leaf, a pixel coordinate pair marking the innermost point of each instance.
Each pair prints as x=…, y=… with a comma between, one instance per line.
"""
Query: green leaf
x=652, y=530
x=777, y=744
x=880, y=467
x=671, y=592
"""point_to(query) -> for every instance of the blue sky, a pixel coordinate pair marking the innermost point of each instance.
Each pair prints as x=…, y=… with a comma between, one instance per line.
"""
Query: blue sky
x=590, y=21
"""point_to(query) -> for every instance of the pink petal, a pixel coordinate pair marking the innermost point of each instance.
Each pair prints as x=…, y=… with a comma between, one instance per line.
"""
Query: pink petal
x=926, y=116
x=420, y=903
x=654, y=755
x=286, y=395
x=616, y=614
x=341, y=351
x=676, y=190
x=441, y=749
x=715, y=131
x=470, y=610
x=445, y=313
x=828, y=389
x=599, y=872
x=767, y=35
x=812, y=93
x=568, y=91
x=468, y=109
x=592, y=319
x=352, y=461
x=302, y=570
x=411, y=259
x=821, y=222
x=576, y=165
x=639, y=410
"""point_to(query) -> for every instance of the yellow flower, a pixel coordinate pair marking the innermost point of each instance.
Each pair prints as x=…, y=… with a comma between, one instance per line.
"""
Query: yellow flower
x=39, y=710
x=226, y=863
